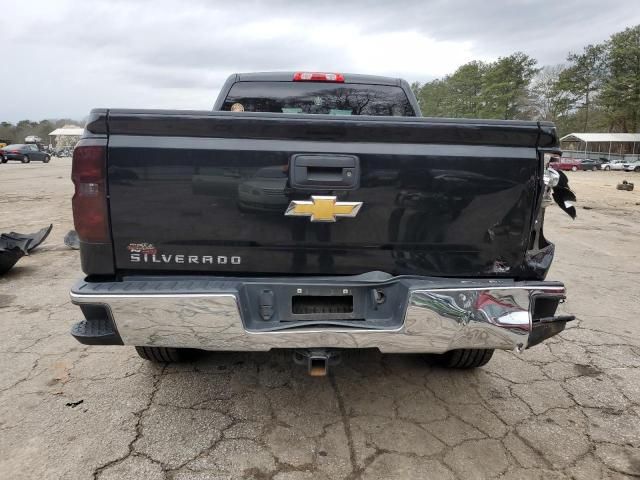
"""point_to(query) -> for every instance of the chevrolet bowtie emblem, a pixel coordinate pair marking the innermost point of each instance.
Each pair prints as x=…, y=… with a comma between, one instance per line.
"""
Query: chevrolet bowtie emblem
x=322, y=209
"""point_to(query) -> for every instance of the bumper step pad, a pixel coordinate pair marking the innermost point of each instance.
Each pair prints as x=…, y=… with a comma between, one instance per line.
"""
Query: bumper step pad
x=96, y=332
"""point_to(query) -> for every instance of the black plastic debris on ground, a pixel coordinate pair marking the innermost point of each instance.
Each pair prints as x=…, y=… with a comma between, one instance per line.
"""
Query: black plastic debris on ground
x=8, y=258
x=14, y=246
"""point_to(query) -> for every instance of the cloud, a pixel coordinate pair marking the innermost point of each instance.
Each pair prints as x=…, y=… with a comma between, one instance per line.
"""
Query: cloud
x=73, y=55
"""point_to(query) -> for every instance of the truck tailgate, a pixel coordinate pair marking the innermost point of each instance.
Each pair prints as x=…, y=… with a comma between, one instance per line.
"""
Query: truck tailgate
x=208, y=192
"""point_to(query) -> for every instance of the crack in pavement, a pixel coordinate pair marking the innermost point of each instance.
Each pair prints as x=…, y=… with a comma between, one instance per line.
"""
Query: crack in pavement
x=345, y=422
x=137, y=428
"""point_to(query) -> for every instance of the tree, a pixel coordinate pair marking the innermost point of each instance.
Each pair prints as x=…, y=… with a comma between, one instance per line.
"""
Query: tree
x=506, y=83
x=548, y=100
x=434, y=98
x=415, y=88
x=621, y=87
x=478, y=89
x=583, y=78
x=465, y=90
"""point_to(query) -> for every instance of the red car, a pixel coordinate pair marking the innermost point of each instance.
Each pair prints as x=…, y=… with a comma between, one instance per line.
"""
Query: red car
x=562, y=163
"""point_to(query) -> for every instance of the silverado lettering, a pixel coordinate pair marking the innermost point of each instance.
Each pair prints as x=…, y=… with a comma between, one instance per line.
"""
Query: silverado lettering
x=205, y=259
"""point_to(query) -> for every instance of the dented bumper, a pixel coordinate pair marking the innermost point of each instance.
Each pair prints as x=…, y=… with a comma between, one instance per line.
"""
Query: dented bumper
x=416, y=314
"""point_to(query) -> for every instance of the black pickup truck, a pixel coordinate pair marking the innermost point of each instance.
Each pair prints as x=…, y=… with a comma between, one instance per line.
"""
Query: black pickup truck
x=314, y=212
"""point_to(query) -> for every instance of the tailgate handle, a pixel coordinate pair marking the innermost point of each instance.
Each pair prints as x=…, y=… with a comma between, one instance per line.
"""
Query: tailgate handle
x=328, y=172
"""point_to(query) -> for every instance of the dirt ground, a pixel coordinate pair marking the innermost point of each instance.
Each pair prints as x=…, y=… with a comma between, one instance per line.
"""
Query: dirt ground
x=569, y=408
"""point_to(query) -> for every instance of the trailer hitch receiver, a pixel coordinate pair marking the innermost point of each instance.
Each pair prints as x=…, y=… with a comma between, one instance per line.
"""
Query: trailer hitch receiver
x=317, y=360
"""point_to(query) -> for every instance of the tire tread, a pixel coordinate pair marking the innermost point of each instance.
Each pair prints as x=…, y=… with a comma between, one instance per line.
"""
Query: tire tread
x=161, y=354
x=467, y=358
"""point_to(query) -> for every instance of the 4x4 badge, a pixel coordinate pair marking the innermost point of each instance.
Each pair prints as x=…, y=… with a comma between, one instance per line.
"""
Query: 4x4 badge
x=322, y=208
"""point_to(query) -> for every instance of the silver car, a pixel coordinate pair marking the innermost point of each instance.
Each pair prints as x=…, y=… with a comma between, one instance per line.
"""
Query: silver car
x=631, y=166
x=614, y=165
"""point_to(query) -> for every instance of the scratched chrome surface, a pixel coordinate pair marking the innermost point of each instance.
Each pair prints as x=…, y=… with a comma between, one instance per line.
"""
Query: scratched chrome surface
x=436, y=320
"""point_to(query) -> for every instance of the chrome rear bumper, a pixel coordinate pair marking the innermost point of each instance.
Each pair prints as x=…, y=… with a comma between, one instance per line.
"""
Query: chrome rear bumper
x=437, y=316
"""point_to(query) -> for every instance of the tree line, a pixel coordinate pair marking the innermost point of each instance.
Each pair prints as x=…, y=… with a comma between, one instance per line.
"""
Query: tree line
x=597, y=89
x=16, y=133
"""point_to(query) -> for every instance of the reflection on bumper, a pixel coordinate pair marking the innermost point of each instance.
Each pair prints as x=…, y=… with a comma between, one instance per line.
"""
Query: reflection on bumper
x=435, y=320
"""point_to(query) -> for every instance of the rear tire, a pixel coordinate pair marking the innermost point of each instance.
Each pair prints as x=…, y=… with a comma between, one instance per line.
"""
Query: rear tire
x=26, y=159
x=607, y=168
x=164, y=354
x=3, y=160
x=637, y=169
x=574, y=169
x=466, y=358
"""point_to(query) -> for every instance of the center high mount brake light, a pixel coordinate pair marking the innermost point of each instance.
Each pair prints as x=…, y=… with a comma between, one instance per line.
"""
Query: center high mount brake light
x=318, y=77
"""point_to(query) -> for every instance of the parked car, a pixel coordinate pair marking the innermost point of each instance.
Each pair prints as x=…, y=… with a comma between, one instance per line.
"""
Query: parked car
x=24, y=153
x=614, y=165
x=589, y=164
x=631, y=166
x=562, y=163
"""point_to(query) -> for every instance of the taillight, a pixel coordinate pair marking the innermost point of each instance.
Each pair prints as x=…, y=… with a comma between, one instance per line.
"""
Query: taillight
x=318, y=77
x=88, y=172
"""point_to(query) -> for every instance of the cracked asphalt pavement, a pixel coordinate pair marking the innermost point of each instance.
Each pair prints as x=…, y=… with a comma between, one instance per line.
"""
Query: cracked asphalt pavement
x=569, y=408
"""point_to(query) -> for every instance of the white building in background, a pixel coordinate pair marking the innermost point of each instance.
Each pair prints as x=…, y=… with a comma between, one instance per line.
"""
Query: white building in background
x=66, y=136
x=604, y=146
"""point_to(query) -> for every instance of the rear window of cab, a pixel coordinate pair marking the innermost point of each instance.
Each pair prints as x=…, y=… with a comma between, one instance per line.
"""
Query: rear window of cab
x=318, y=98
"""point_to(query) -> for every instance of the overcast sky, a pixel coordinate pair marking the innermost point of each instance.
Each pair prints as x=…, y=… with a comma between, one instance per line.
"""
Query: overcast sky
x=61, y=58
